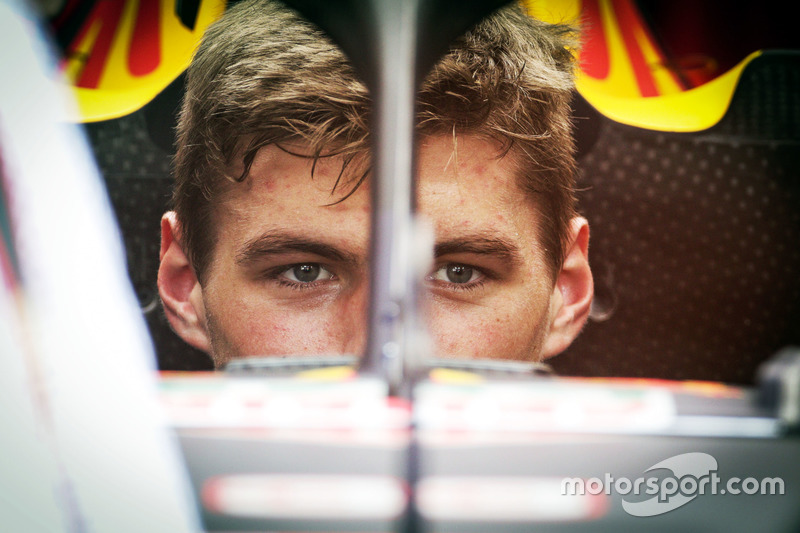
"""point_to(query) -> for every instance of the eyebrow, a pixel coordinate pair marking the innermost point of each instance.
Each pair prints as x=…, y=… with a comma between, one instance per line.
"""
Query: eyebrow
x=268, y=244
x=479, y=244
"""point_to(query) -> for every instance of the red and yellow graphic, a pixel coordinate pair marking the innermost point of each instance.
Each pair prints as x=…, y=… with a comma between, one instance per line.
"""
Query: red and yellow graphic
x=126, y=52
x=624, y=74
x=613, y=29
x=121, y=54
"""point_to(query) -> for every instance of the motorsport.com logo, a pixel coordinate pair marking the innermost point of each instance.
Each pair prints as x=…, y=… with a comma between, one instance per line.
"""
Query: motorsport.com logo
x=693, y=474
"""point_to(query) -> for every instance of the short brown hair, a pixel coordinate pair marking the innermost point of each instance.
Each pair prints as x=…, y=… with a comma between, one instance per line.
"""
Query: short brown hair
x=262, y=75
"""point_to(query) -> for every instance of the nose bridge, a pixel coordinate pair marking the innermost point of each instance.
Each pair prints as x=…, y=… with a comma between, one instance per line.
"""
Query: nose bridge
x=354, y=320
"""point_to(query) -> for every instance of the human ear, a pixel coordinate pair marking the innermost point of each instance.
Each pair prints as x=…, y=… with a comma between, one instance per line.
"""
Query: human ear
x=180, y=292
x=572, y=293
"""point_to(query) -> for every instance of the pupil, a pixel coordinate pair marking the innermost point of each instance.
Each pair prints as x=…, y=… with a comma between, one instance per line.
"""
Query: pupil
x=459, y=273
x=306, y=273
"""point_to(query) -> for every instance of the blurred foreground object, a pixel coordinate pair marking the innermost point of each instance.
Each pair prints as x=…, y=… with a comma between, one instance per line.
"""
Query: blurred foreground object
x=85, y=447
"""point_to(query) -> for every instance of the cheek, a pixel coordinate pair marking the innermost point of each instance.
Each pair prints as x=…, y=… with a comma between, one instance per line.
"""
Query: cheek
x=479, y=332
x=510, y=324
x=246, y=327
x=256, y=325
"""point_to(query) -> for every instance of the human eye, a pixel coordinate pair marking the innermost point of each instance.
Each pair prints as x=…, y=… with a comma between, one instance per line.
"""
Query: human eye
x=458, y=276
x=303, y=275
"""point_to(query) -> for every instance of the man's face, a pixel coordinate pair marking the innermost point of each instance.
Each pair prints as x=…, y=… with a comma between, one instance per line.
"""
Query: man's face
x=289, y=273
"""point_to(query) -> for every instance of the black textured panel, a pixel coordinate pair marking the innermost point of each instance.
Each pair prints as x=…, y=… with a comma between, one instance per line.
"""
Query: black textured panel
x=695, y=241
x=137, y=176
x=694, y=247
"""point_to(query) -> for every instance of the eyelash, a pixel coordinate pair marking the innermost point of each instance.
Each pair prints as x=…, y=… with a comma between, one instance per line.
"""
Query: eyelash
x=283, y=282
x=470, y=286
x=467, y=286
x=276, y=275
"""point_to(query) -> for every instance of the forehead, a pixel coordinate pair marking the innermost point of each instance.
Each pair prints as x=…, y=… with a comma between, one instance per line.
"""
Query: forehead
x=467, y=173
x=465, y=185
x=441, y=158
x=284, y=184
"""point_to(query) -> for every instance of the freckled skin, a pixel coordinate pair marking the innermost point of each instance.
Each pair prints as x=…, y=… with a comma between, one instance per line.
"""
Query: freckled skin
x=249, y=310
